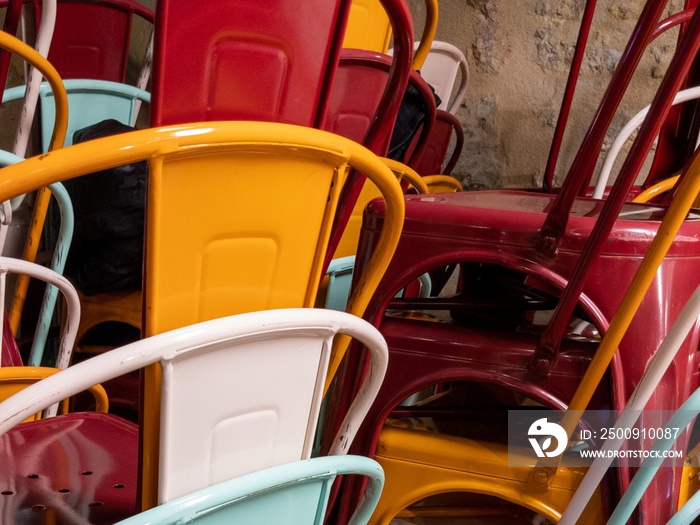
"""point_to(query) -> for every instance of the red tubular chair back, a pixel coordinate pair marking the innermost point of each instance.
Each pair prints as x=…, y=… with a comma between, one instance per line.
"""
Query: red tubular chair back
x=577, y=255
x=434, y=159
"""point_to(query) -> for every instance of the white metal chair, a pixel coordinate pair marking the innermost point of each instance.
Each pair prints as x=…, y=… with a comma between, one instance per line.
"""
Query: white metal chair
x=295, y=493
x=626, y=132
x=442, y=66
x=239, y=394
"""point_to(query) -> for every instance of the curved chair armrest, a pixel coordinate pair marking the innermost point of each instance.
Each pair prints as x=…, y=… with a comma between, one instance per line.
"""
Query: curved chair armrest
x=657, y=189
x=406, y=173
x=426, y=40
x=15, y=378
x=442, y=184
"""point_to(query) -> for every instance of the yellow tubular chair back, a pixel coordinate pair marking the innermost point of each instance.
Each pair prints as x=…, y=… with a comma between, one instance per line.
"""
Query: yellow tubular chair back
x=58, y=137
x=238, y=218
x=368, y=28
x=16, y=378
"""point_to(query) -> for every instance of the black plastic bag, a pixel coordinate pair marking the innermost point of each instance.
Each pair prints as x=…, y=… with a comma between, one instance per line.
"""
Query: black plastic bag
x=107, y=249
x=408, y=121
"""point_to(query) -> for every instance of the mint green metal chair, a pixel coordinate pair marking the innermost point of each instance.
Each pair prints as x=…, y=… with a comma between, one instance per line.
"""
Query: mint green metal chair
x=58, y=263
x=294, y=493
x=89, y=102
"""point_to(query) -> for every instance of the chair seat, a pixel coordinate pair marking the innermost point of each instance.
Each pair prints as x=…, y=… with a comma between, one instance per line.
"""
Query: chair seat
x=83, y=463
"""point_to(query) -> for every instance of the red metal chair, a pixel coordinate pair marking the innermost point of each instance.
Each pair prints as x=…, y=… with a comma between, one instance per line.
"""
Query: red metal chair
x=521, y=252
x=245, y=61
x=93, y=37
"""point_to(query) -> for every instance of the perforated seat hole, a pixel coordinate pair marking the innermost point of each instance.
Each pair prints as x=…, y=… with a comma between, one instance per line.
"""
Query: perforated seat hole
x=87, y=473
x=96, y=504
x=64, y=491
x=7, y=493
x=38, y=507
x=119, y=486
x=33, y=476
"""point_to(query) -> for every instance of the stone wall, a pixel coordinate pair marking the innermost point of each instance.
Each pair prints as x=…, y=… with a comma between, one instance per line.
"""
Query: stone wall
x=519, y=54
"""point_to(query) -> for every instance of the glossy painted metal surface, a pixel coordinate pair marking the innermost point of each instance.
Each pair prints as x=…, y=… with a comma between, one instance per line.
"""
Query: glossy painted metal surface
x=271, y=61
x=658, y=364
x=76, y=467
x=370, y=28
x=420, y=464
x=92, y=39
x=293, y=494
x=249, y=268
x=496, y=228
x=359, y=86
x=551, y=232
x=225, y=411
x=16, y=378
x=433, y=161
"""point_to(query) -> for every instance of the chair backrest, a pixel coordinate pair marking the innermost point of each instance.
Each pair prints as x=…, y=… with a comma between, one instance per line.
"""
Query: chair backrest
x=440, y=69
x=245, y=60
x=295, y=493
x=369, y=28
x=443, y=65
x=434, y=160
x=92, y=39
x=239, y=393
x=89, y=102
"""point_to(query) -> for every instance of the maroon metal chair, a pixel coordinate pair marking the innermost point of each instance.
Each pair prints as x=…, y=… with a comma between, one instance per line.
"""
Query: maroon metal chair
x=522, y=252
x=91, y=38
x=434, y=159
x=356, y=94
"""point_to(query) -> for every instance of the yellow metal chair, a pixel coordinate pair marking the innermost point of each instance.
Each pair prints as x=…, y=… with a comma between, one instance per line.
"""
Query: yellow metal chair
x=15, y=378
x=443, y=464
x=442, y=184
x=238, y=217
x=369, y=28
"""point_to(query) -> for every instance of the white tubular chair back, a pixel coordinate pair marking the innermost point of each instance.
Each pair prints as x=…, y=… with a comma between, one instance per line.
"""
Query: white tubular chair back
x=240, y=393
x=626, y=132
x=441, y=69
x=53, y=279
